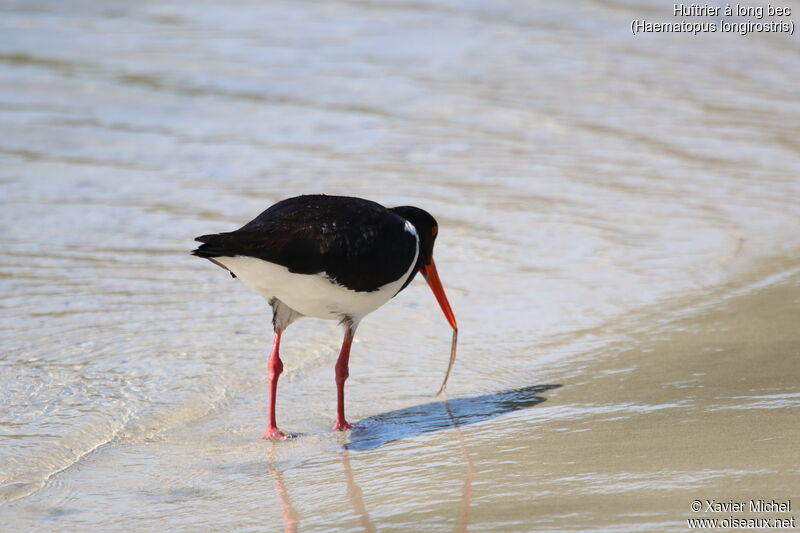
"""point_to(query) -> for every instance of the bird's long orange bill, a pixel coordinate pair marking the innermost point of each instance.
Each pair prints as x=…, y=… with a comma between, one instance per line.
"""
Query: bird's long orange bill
x=432, y=277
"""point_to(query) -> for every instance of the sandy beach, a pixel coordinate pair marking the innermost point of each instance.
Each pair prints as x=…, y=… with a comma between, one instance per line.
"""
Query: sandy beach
x=625, y=439
x=617, y=236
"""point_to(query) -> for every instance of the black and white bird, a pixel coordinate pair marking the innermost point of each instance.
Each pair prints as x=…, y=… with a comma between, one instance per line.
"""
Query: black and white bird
x=330, y=257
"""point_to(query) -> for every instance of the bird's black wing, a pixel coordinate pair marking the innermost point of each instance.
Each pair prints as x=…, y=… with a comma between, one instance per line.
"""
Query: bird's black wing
x=354, y=242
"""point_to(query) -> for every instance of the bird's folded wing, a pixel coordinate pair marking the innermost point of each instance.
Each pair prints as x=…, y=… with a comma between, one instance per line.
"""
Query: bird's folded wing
x=362, y=257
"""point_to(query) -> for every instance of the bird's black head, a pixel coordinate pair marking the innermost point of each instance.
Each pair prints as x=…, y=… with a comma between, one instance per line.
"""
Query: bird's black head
x=426, y=227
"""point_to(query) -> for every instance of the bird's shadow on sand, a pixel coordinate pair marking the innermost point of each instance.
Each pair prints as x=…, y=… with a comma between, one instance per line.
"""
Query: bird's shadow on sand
x=374, y=431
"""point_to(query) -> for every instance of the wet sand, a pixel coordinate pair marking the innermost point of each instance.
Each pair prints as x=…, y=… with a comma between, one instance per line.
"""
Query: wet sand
x=706, y=409
x=702, y=407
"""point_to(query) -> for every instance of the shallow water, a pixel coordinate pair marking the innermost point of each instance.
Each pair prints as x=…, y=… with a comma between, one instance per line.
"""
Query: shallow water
x=599, y=197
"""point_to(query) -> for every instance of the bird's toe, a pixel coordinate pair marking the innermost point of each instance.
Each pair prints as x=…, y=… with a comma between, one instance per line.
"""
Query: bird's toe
x=274, y=434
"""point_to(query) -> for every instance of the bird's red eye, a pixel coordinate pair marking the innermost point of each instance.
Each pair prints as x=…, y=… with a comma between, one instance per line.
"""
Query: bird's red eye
x=434, y=230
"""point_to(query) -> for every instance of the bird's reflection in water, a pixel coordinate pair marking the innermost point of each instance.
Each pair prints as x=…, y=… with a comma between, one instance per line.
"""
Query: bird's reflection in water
x=378, y=430
x=288, y=512
x=466, y=489
x=354, y=494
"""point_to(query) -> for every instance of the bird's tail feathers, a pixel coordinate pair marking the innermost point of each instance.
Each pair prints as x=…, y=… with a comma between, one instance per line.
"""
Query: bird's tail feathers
x=213, y=246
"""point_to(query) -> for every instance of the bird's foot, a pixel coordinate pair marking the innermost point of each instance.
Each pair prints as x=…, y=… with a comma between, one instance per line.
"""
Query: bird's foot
x=274, y=434
x=344, y=425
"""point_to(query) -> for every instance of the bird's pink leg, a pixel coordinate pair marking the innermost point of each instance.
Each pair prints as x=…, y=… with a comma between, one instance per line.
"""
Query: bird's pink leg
x=274, y=369
x=342, y=372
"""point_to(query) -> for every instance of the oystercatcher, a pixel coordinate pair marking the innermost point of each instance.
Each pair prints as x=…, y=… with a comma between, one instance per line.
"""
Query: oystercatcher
x=331, y=257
